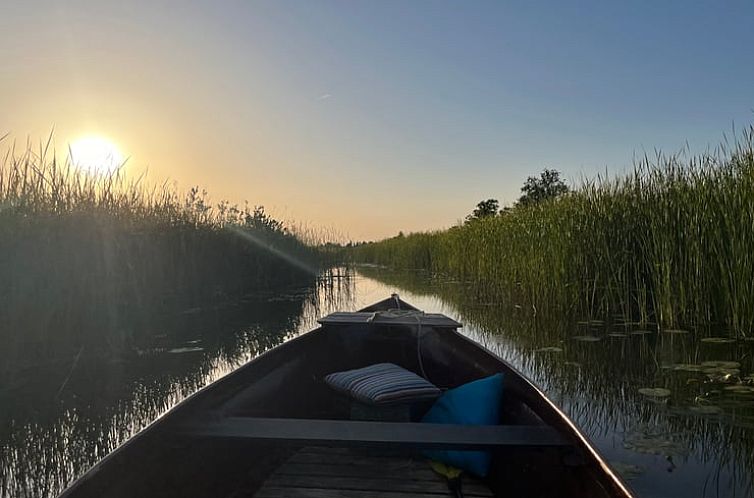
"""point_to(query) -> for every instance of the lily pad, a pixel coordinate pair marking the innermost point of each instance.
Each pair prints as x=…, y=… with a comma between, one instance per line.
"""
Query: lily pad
x=688, y=367
x=723, y=375
x=184, y=350
x=617, y=334
x=718, y=340
x=150, y=351
x=655, y=392
x=675, y=331
x=627, y=470
x=549, y=349
x=586, y=338
x=641, y=332
x=739, y=389
x=705, y=409
x=654, y=445
x=721, y=364
x=721, y=371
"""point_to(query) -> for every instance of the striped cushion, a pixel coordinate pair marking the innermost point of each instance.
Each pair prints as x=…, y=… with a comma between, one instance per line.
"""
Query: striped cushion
x=383, y=383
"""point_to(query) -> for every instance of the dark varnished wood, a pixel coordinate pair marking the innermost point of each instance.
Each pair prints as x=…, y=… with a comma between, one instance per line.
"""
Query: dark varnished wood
x=357, y=471
x=390, y=434
x=286, y=382
x=389, y=318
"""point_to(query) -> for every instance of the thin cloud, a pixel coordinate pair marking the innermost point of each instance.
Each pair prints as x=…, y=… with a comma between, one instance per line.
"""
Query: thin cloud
x=324, y=96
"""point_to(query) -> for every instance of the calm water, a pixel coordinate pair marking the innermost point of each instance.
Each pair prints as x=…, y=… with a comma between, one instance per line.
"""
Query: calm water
x=695, y=441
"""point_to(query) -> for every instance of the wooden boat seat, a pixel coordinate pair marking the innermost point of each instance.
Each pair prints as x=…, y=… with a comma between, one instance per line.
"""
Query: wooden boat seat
x=391, y=434
x=205, y=447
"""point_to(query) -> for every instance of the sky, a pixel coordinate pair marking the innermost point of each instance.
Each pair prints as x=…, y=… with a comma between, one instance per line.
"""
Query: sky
x=369, y=118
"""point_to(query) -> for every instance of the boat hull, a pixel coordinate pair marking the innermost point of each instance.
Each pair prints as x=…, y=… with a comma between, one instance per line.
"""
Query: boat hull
x=286, y=382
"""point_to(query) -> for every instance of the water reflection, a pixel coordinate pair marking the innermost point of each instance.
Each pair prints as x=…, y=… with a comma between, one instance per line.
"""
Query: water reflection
x=696, y=441
x=59, y=418
x=691, y=434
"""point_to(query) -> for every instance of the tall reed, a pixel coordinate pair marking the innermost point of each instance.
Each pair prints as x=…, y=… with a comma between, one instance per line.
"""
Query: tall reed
x=671, y=242
x=92, y=260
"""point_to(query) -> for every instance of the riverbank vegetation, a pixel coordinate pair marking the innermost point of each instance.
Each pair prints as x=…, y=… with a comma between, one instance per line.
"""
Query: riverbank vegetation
x=607, y=379
x=669, y=243
x=95, y=259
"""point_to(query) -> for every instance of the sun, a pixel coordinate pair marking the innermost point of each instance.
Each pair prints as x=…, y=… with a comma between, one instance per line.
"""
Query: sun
x=95, y=154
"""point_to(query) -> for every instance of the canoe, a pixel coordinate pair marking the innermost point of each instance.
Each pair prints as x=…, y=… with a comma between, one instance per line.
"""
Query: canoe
x=273, y=428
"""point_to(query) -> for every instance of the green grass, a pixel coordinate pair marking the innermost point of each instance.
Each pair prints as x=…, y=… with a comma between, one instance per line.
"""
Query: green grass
x=671, y=242
x=95, y=260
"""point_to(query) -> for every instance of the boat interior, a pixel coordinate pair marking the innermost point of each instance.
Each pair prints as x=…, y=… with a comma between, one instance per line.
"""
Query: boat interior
x=275, y=428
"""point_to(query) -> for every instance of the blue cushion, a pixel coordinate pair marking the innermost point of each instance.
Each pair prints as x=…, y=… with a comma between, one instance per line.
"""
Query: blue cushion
x=383, y=383
x=475, y=403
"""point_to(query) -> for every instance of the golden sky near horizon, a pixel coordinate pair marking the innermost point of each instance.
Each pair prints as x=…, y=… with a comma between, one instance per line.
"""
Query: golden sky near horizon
x=174, y=121
x=366, y=118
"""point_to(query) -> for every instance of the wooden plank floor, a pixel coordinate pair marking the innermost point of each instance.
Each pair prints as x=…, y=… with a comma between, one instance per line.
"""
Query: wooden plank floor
x=319, y=472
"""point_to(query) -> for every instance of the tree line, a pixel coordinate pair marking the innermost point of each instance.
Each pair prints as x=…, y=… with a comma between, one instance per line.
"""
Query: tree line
x=548, y=185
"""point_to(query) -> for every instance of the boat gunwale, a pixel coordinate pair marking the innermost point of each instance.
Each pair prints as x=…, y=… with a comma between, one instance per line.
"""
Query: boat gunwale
x=182, y=405
x=192, y=398
x=566, y=426
x=583, y=439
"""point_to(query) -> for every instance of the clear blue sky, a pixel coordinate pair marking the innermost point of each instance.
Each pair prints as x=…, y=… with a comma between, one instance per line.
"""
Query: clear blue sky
x=374, y=117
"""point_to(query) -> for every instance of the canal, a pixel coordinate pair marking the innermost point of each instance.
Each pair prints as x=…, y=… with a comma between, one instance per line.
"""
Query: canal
x=673, y=414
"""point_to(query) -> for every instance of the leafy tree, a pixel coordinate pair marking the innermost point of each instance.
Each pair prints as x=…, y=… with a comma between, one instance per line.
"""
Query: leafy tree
x=484, y=209
x=547, y=186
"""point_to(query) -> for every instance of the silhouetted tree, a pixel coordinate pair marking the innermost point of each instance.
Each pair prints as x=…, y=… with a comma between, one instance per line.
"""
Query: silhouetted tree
x=547, y=186
x=484, y=209
x=260, y=220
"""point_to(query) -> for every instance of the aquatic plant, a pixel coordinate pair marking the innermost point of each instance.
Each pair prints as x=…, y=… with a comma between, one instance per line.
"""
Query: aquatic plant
x=96, y=259
x=669, y=243
x=600, y=384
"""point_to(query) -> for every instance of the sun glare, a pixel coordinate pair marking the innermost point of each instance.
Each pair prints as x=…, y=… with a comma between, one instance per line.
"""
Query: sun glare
x=95, y=154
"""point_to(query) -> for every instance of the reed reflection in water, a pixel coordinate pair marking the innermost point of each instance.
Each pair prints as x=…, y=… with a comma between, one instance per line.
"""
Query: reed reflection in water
x=674, y=414
x=60, y=418
x=697, y=441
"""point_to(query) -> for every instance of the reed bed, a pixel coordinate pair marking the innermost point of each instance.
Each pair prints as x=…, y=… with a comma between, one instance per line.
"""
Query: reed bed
x=90, y=261
x=597, y=383
x=669, y=243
